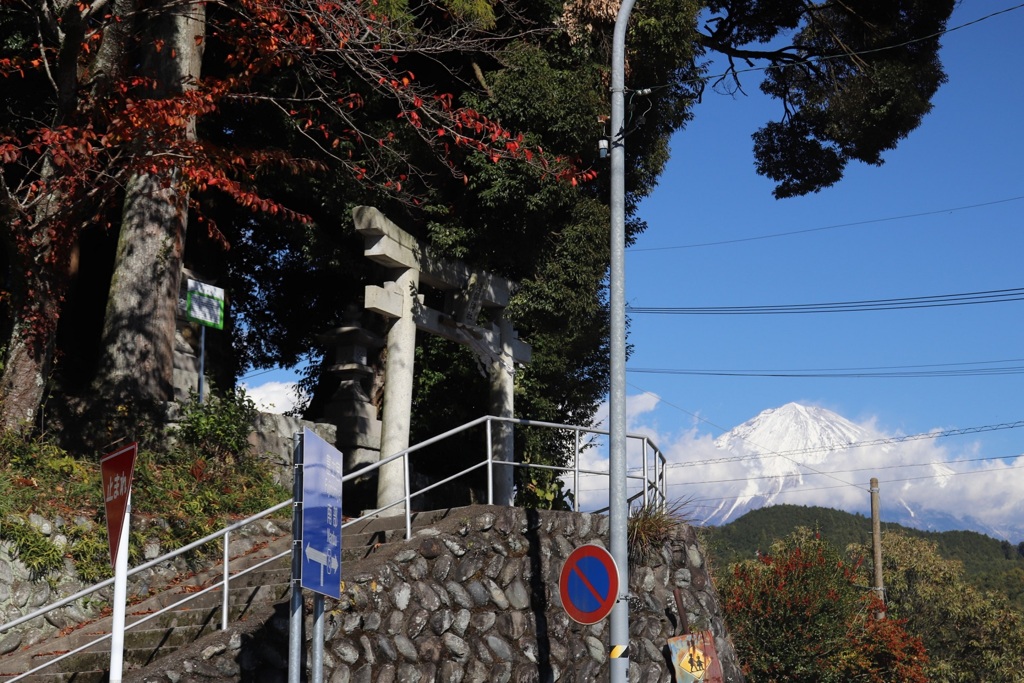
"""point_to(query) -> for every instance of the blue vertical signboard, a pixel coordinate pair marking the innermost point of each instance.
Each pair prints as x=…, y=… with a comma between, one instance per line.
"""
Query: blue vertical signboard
x=321, y=515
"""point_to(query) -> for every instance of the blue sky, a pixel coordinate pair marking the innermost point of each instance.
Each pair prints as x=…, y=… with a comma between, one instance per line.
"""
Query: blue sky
x=907, y=233
x=941, y=216
x=968, y=151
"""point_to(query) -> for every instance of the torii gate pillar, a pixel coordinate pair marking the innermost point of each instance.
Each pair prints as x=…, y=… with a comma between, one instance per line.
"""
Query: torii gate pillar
x=502, y=376
x=395, y=418
x=497, y=345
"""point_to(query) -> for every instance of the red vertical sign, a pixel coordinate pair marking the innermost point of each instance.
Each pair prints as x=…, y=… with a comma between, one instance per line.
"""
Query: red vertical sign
x=116, y=472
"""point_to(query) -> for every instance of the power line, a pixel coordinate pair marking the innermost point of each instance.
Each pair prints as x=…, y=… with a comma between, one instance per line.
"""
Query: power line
x=883, y=481
x=823, y=228
x=858, y=444
x=834, y=374
x=858, y=306
x=875, y=468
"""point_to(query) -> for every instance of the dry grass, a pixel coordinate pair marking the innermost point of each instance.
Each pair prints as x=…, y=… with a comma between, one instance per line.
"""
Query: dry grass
x=651, y=526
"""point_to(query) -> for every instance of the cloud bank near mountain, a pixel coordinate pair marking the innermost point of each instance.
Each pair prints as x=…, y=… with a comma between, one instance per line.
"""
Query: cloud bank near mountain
x=808, y=455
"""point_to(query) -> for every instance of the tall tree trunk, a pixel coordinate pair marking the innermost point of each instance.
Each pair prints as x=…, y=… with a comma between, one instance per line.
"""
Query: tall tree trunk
x=139, y=326
x=39, y=249
x=30, y=350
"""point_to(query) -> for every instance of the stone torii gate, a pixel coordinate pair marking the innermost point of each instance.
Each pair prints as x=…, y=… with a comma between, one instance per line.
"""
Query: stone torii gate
x=467, y=293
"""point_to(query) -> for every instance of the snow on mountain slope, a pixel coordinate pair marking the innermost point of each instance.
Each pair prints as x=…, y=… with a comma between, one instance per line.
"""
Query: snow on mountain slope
x=788, y=448
x=780, y=446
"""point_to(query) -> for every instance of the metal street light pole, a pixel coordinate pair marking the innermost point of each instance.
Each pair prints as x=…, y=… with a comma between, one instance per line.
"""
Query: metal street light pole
x=618, y=504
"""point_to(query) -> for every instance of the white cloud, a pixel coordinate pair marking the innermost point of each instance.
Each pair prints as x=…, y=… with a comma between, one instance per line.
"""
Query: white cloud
x=931, y=477
x=273, y=396
x=593, y=493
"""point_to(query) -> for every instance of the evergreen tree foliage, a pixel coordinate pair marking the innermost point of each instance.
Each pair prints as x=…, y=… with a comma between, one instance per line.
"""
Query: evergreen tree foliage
x=472, y=125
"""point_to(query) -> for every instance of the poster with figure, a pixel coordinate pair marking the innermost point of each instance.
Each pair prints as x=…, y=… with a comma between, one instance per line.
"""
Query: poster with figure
x=695, y=659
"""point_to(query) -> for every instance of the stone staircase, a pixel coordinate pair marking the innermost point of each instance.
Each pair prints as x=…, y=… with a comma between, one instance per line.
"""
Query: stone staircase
x=256, y=591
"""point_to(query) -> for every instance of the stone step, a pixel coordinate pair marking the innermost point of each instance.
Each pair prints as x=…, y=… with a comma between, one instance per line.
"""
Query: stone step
x=162, y=635
x=182, y=626
x=97, y=676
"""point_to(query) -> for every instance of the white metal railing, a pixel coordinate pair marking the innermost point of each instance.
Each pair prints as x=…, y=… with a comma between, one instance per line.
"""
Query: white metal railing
x=225, y=582
x=653, y=490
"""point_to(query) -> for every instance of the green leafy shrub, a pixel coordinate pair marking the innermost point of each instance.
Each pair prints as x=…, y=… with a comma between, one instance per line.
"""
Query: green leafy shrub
x=218, y=428
x=799, y=613
x=192, y=488
x=542, y=490
x=32, y=547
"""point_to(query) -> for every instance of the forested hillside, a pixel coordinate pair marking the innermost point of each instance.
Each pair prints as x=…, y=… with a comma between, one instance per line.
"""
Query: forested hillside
x=989, y=563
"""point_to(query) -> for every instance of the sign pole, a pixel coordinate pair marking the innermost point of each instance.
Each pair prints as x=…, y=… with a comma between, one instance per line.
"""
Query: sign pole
x=316, y=659
x=618, y=502
x=204, y=305
x=295, y=622
x=202, y=360
x=120, y=600
x=116, y=470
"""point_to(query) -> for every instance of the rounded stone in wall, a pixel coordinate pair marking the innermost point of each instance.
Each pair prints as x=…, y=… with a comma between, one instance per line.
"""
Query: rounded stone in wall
x=442, y=568
x=418, y=619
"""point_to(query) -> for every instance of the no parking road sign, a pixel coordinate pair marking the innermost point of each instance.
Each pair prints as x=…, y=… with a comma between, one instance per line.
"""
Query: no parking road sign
x=589, y=584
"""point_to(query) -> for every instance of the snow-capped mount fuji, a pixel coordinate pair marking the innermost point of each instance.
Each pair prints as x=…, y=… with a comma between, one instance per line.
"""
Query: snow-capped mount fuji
x=779, y=447
x=792, y=428
x=786, y=448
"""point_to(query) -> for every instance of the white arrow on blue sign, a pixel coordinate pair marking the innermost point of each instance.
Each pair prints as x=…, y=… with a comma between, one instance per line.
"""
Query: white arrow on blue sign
x=321, y=515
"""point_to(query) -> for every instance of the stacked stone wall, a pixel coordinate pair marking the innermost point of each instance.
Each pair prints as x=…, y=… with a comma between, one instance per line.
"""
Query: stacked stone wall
x=474, y=599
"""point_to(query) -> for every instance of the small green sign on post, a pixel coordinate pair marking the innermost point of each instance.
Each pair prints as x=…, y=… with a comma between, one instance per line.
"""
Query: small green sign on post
x=205, y=304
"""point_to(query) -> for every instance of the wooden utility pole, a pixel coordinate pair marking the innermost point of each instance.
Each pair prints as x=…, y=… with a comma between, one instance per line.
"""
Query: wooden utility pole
x=876, y=543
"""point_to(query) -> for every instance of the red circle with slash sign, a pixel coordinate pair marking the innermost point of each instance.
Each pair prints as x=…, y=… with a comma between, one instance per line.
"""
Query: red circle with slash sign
x=589, y=584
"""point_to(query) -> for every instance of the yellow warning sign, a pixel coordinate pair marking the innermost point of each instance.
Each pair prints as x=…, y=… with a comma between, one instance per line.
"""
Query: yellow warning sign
x=693, y=661
x=695, y=658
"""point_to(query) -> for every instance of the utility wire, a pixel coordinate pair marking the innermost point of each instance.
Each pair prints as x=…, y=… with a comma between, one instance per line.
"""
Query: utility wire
x=837, y=226
x=981, y=372
x=848, y=471
x=874, y=468
x=937, y=434
x=842, y=55
x=882, y=481
x=858, y=444
x=858, y=306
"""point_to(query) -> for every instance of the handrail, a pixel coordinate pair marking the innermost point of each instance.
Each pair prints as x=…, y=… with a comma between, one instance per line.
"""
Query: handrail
x=142, y=567
x=406, y=500
x=656, y=487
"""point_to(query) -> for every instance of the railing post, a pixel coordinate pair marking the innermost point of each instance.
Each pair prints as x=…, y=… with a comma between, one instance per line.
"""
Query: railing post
x=408, y=497
x=647, y=483
x=226, y=585
x=490, y=464
x=663, y=481
x=576, y=473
